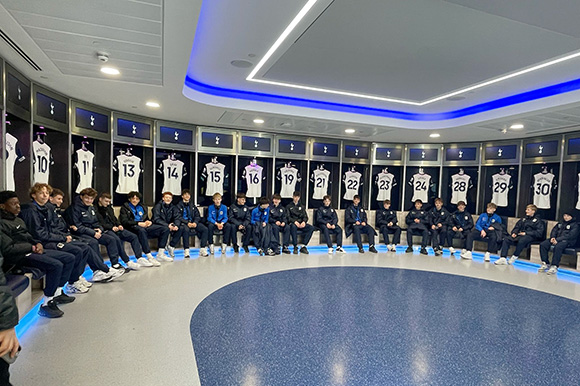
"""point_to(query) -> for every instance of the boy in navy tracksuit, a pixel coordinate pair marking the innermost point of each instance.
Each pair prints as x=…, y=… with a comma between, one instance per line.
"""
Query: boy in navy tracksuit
x=487, y=228
x=355, y=223
x=298, y=223
x=167, y=215
x=217, y=219
x=418, y=222
x=262, y=229
x=240, y=216
x=279, y=223
x=439, y=218
x=460, y=225
x=528, y=229
x=563, y=235
x=386, y=221
x=191, y=224
x=327, y=221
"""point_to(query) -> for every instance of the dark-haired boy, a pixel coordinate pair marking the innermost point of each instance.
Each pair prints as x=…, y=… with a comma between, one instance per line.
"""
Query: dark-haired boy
x=262, y=228
x=438, y=219
x=298, y=223
x=355, y=223
x=240, y=216
x=460, y=225
x=418, y=222
x=386, y=220
x=279, y=223
x=191, y=224
x=167, y=215
x=327, y=221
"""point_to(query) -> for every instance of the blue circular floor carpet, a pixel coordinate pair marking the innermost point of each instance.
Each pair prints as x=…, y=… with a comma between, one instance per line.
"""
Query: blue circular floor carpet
x=380, y=326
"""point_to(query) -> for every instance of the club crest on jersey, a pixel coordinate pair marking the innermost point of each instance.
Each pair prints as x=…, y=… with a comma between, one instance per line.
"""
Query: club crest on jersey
x=140, y=213
x=221, y=212
x=361, y=210
x=93, y=212
x=299, y=208
x=534, y=220
x=245, y=209
x=442, y=213
x=467, y=217
x=567, y=226
x=493, y=220
x=281, y=210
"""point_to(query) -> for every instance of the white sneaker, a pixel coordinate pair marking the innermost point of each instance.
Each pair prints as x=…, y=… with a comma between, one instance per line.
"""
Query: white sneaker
x=100, y=276
x=116, y=273
x=133, y=266
x=211, y=249
x=149, y=256
x=330, y=250
x=553, y=270
x=186, y=253
x=451, y=250
x=203, y=252
x=512, y=259
x=486, y=257
x=340, y=250
x=85, y=282
x=171, y=250
x=467, y=255
x=163, y=257
x=143, y=262
x=154, y=262
x=392, y=248
x=501, y=261
x=160, y=253
x=543, y=268
x=75, y=288
x=224, y=248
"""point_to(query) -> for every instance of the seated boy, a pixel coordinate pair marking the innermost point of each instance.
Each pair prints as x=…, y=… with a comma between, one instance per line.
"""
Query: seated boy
x=327, y=221
x=438, y=218
x=563, y=235
x=240, y=217
x=279, y=223
x=167, y=215
x=191, y=224
x=417, y=224
x=217, y=219
x=262, y=228
x=298, y=223
x=460, y=225
x=355, y=223
x=487, y=228
x=527, y=230
x=386, y=220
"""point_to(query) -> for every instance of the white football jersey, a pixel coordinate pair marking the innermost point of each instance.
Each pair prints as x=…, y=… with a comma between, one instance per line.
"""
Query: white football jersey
x=460, y=184
x=500, y=184
x=215, y=173
x=129, y=167
x=253, y=174
x=352, y=184
x=42, y=160
x=421, y=183
x=385, y=182
x=543, y=183
x=12, y=155
x=321, y=179
x=578, y=202
x=84, y=165
x=173, y=172
x=289, y=177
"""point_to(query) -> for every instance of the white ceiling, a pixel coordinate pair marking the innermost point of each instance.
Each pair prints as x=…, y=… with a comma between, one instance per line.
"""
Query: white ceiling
x=151, y=42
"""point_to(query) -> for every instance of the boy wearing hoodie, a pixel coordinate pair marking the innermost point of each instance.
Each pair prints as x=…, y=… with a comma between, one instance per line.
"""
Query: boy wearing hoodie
x=217, y=219
x=487, y=228
x=563, y=235
x=262, y=230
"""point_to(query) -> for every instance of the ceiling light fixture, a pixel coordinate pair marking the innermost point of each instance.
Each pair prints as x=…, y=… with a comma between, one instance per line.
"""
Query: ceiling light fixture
x=350, y=131
x=517, y=126
x=308, y=7
x=110, y=71
x=152, y=104
x=258, y=121
x=435, y=135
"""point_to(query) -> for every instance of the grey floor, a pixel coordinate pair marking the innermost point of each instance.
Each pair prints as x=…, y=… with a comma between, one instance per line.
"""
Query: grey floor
x=137, y=330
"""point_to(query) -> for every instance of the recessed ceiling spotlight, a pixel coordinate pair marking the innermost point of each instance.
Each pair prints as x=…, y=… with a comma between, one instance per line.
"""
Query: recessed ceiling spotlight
x=350, y=131
x=517, y=126
x=241, y=63
x=110, y=71
x=435, y=135
x=258, y=121
x=152, y=104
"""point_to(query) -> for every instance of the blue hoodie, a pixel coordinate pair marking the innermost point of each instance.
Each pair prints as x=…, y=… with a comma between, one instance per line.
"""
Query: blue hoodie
x=485, y=221
x=216, y=215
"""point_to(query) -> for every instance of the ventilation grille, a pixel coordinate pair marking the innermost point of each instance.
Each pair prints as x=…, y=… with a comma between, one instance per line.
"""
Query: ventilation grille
x=19, y=51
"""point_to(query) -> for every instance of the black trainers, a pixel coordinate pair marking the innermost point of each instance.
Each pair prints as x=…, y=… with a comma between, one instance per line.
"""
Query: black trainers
x=246, y=249
x=409, y=250
x=260, y=252
x=438, y=251
x=63, y=299
x=372, y=249
x=295, y=250
x=361, y=250
x=277, y=251
x=236, y=248
x=286, y=250
x=270, y=252
x=117, y=266
x=51, y=310
x=304, y=250
x=424, y=251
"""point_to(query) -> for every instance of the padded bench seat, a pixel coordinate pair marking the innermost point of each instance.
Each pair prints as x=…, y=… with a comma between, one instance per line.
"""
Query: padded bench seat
x=17, y=284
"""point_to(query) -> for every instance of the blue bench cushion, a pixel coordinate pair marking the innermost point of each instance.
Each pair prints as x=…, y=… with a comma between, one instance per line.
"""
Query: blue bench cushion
x=17, y=283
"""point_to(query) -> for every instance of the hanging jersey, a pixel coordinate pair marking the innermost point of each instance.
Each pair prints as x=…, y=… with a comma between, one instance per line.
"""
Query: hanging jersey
x=129, y=167
x=253, y=174
x=459, y=186
x=42, y=160
x=12, y=155
x=352, y=184
x=321, y=178
x=173, y=172
x=543, y=183
x=289, y=177
x=500, y=184
x=421, y=183
x=215, y=173
x=84, y=165
x=385, y=182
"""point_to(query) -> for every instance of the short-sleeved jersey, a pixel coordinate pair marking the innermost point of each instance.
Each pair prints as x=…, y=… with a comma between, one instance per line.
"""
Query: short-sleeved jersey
x=215, y=173
x=460, y=184
x=253, y=175
x=500, y=184
x=543, y=183
x=173, y=172
x=351, y=184
x=289, y=177
x=321, y=179
x=129, y=168
x=85, y=166
x=421, y=184
x=42, y=160
x=385, y=182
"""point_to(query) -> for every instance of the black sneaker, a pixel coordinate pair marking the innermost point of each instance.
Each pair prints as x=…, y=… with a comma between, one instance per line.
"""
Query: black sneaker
x=277, y=251
x=424, y=251
x=246, y=249
x=438, y=251
x=236, y=248
x=260, y=252
x=409, y=250
x=295, y=250
x=63, y=299
x=51, y=310
x=286, y=250
x=270, y=252
x=361, y=250
x=372, y=249
x=304, y=250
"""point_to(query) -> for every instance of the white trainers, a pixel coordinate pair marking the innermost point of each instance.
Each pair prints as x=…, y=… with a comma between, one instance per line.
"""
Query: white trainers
x=543, y=268
x=133, y=266
x=512, y=259
x=451, y=250
x=143, y=262
x=85, y=282
x=486, y=257
x=553, y=270
x=501, y=261
x=224, y=248
x=186, y=253
x=154, y=262
x=171, y=250
x=163, y=257
x=100, y=276
x=203, y=252
x=75, y=288
x=467, y=255
x=149, y=256
x=115, y=273
x=392, y=247
x=330, y=250
x=211, y=249
x=340, y=250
